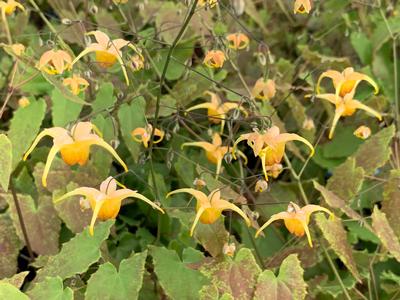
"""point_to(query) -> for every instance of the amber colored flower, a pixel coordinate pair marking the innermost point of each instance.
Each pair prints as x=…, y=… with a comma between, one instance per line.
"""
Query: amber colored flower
x=107, y=51
x=264, y=89
x=76, y=83
x=209, y=208
x=216, y=110
x=308, y=124
x=18, y=49
x=106, y=202
x=363, y=132
x=74, y=145
x=261, y=186
x=55, y=62
x=143, y=134
x=137, y=62
x=274, y=170
x=23, y=102
x=296, y=219
x=215, y=152
x=237, y=41
x=199, y=183
x=9, y=7
x=214, y=59
x=302, y=6
x=229, y=249
x=210, y=3
x=120, y=1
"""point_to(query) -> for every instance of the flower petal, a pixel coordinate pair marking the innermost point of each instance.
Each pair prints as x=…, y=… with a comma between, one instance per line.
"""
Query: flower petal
x=286, y=137
x=122, y=194
x=338, y=113
x=205, y=145
x=366, y=108
x=50, y=157
x=200, y=196
x=279, y=216
x=197, y=218
x=336, y=77
x=224, y=205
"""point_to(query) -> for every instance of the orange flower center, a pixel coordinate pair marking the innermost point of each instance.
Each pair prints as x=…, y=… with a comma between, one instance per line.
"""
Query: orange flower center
x=347, y=87
x=274, y=155
x=294, y=226
x=210, y=215
x=105, y=59
x=109, y=209
x=76, y=153
x=214, y=116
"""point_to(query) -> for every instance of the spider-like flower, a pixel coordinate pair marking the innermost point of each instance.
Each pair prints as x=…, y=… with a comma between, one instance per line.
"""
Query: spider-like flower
x=76, y=83
x=237, y=41
x=143, y=134
x=216, y=110
x=215, y=152
x=363, y=132
x=55, y=62
x=209, y=3
x=107, y=201
x=214, y=59
x=296, y=219
x=74, y=145
x=302, y=6
x=209, y=208
x=264, y=89
x=9, y=7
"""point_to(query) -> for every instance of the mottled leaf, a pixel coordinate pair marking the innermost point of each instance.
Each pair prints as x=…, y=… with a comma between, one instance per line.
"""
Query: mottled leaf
x=212, y=237
x=9, y=247
x=391, y=201
x=16, y=280
x=5, y=161
x=50, y=288
x=316, y=59
x=63, y=111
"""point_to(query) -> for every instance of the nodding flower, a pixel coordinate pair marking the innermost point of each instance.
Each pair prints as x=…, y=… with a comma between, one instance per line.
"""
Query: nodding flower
x=214, y=59
x=55, y=62
x=209, y=208
x=107, y=51
x=363, y=132
x=237, y=41
x=143, y=134
x=302, y=6
x=270, y=146
x=74, y=145
x=106, y=202
x=264, y=89
x=9, y=7
x=296, y=219
x=216, y=110
x=209, y=3
x=76, y=83
x=215, y=152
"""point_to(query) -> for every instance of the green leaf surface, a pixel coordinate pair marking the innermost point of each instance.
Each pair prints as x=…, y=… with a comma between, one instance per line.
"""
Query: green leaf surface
x=9, y=247
x=391, y=201
x=63, y=110
x=5, y=161
x=50, y=288
x=16, y=280
x=8, y=291
x=104, y=98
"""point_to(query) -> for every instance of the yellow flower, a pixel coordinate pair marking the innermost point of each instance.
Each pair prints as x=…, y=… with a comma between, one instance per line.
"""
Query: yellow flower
x=229, y=249
x=18, y=49
x=261, y=186
x=264, y=89
x=296, y=219
x=302, y=6
x=55, y=62
x=274, y=170
x=9, y=7
x=214, y=59
x=107, y=51
x=270, y=145
x=363, y=132
x=137, y=62
x=215, y=152
x=142, y=135
x=345, y=106
x=76, y=83
x=74, y=145
x=209, y=208
x=210, y=3
x=106, y=202
x=199, y=183
x=23, y=102
x=116, y=2
x=216, y=110
x=237, y=41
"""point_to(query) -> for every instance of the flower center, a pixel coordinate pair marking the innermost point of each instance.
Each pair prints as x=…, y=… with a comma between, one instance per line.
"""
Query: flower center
x=105, y=59
x=347, y=87
x=76, y=153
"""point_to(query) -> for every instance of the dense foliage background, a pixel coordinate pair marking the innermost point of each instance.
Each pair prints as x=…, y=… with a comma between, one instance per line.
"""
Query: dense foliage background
x=144, y=254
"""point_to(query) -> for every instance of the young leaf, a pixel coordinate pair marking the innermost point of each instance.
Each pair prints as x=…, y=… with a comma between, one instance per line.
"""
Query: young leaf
x=108, y=283
x=50, y=288
x=63, y=110
x=5, y=161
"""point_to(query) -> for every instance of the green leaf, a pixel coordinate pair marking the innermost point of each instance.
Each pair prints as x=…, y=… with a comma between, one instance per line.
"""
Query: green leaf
x=108, y=283
x=269, y=287
x=176, y=279
x=8, y=291
x=77, y=254
x=391, y=201
x=130, y=117
x=9, y=247
x=50, y=288
x=63, y=111
x=317, y=59
x=212, y=237
x=336, y=236
x=5, y=161
x=24, y=127
x=104, y=98
x=16, y=280
x=382, y=34
x=363, y=46
x=385, y=233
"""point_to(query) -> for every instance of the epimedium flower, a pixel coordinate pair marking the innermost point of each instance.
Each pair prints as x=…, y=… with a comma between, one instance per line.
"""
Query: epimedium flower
x=23, y=102
x=74, y=145
x=55, y=62
x=302, y=6
x=76, y=83
x=214, y=59
x=107, y=51
x=143, y=134
x=296, y=219
x=237, y=41
x=264, y=89
x=209, y=3
x=216, y=110
x=215, y=151
x=8, y=7
x=137, y=62
x=106, y=202
x=363, y=132
x=209, y=208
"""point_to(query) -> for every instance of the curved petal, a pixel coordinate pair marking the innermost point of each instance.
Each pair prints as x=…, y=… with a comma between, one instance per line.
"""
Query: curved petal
x=332, y=74
x=100, y=37
x=50, y=158
x=120, y=195
x=160, y=134
x=242, y=155
x=96, y=211
x=286, y=137
x=204, y=145
x=358, y=77
x=206, y=105
x=366, y=108
x=137, y=134
x=196, y=220
x=84, y=52
x=224, y=205
x=119, y=43
x=305, y=226
x=100, y=142
x=311, y=208
x=123, y=69
x=338, y=113
x=200, y=196
x=332, y=98
x=215, y=100
x=45, y=58
x=240, y=139
x=275, y=217
x=108, y=186
x=219, y=164
x=216, y=139
x=227, y=106
x=81, y=130
x=263, y=155
x=82, y=191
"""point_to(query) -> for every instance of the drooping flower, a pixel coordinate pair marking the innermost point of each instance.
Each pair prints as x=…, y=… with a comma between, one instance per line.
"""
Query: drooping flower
x=143, y=134
x=76, y=83
x=74, y=145
x=296, y=219
x=215, y=152
x=237, y=41
x=229, y=249
x=209, y=208
x=274, y=170
x=106, y=202
x=137, y=62
x=302, y=6
x=216, y=110
x=308, y=124
x=363, y=132
x=261, y=186
x=23, y=102
x=199, y=183
x=214, y=59
x=264, y=89
x=55, y=62
x=107, y=51
x=18, y=49
x=9, y=7
x=209, y=3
